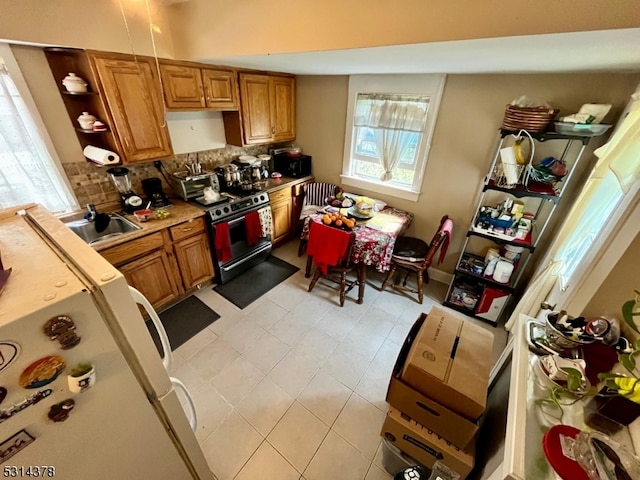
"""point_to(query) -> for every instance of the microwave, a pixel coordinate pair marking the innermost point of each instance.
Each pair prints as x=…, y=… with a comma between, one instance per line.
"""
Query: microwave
x=290, y=166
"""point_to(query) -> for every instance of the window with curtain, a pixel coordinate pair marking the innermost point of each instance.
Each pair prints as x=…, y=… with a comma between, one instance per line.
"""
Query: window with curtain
x=388, y=134
x=613, y=183
x=27, y=170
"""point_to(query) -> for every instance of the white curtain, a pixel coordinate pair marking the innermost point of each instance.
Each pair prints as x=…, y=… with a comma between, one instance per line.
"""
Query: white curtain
x=27, y=172
x=393, y=119
x=614, y=177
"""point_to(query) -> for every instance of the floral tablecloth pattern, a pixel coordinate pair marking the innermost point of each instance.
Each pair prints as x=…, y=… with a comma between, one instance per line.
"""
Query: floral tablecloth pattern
x=373, y=245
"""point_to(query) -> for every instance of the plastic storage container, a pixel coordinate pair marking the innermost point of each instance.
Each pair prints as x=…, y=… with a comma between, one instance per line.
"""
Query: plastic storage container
x=503, y=271
x=512, y=253
x=395, y=460
x=587, y=130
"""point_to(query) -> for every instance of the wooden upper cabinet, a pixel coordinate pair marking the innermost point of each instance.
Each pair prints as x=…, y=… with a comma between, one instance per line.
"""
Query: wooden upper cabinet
x=284, y=95
x=220, y=89
x=182, y=86
x=132, y=94
x=190, y=86
x=267, y=110
x=256, y=108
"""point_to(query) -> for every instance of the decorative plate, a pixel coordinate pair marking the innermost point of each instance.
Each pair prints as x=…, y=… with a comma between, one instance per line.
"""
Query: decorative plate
x=42, y=372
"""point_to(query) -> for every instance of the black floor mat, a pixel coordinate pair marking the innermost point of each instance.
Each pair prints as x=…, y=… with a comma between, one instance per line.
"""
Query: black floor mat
x=252, y=284
x=183, y=321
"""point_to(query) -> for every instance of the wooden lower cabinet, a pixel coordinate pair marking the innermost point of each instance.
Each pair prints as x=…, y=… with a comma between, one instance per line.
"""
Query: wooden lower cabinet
x=165, y=264
x=194, y=260
x=281, y=212
x=153, y=276
x=297, y=192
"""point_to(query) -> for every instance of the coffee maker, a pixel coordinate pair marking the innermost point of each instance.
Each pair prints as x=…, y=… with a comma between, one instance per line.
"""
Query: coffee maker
x=153, y=190
x=131, y=201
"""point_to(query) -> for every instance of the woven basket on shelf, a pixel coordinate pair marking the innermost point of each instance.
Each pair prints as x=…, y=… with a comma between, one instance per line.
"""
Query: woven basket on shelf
x=532, y=119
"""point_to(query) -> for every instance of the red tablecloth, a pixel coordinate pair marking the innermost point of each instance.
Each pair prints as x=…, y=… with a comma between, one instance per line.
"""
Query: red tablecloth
x=375, y=238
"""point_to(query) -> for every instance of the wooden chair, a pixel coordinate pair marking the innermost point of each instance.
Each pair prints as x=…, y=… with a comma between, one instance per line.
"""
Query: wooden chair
x=314, y=199
x=344, y=266
x=413, y=255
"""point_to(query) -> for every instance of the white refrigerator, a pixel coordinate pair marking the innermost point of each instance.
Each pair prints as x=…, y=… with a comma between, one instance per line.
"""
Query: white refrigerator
x=130, y=423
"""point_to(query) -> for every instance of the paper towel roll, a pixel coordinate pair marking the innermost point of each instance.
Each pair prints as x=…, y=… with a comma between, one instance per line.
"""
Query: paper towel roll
x=100, y=155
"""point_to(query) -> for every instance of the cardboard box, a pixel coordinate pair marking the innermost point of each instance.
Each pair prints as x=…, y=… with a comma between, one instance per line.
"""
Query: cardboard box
x=457, y=429
x=425, y=446
x=450, y=361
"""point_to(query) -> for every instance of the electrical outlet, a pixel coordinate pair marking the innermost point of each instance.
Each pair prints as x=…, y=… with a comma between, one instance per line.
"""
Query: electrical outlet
x=157, y=164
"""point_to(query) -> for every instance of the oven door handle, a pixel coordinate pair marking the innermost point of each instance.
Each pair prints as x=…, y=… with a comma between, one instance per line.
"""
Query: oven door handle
x=266, y=246
x=239, y=219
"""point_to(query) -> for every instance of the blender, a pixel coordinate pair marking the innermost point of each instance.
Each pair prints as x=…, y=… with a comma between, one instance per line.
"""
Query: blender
x=131, y=201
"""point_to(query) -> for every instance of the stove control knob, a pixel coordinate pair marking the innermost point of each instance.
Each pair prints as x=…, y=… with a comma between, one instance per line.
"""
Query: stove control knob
x=218, y=212
x=226, y=209
x=255, y=200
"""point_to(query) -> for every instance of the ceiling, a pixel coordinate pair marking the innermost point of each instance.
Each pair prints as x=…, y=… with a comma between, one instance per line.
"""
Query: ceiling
x=602, y=50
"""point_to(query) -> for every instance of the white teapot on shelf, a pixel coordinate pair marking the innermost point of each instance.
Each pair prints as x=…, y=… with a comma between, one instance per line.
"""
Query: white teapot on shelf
x=74, y=83
x=86, y=121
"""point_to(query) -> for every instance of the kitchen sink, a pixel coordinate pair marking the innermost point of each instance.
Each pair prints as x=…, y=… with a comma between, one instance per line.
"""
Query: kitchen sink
x=86, y=230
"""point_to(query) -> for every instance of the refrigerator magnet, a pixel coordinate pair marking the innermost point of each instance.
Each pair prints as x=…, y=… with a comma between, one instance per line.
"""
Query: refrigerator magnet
x=9, y=351
x=27, y=402
x=60, y=411
x=42, y=372
x=14, y=444
x=62, y=328
x=82, y=377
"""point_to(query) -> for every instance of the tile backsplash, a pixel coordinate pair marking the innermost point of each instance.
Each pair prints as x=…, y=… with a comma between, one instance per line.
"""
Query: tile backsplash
x=92, y=184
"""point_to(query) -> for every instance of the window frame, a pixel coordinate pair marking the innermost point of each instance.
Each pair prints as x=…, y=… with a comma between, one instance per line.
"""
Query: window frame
x=430, y=85
x=23, y=90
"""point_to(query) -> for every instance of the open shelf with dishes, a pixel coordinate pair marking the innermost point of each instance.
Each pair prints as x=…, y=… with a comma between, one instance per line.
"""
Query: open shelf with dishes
x=512, y=216
x=64, y=61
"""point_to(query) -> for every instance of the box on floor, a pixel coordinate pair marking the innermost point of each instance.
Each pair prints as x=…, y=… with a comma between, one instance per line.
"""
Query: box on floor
x=450, y=362
x=452, y=358
x=425, y=446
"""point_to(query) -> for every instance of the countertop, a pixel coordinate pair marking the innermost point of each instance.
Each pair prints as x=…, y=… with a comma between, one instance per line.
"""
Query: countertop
x=182, y=211
x=273, y=184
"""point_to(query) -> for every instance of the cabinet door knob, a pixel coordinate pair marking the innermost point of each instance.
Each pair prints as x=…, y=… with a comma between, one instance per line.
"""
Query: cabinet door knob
x=273, y=130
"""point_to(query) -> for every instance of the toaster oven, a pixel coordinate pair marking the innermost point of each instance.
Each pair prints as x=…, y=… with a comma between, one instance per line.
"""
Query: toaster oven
x=292, y=166
x=189, y=187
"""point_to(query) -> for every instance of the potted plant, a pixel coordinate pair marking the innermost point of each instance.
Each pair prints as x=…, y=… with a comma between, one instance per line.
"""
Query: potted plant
x=82, y=377
x=618, y=402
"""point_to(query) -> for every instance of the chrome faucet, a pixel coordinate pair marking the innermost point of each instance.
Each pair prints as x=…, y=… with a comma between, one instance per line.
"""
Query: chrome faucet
x=91, y=212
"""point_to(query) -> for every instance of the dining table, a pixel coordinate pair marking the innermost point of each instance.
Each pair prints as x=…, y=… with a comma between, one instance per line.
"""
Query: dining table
x=375, y=238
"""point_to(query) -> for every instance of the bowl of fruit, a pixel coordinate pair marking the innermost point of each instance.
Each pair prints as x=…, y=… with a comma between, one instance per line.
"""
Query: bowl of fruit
x=339, y=221
x=340, y=201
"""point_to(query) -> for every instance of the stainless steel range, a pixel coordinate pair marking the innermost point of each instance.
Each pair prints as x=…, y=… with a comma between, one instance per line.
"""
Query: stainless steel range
x=229, y=231
x=232, y=221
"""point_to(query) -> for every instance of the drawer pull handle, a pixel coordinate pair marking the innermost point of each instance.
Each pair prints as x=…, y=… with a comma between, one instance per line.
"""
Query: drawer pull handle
x=187, y=229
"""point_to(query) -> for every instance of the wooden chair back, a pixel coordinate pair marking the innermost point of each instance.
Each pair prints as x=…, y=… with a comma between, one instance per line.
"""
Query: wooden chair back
x=316, y=193
x=436, y=243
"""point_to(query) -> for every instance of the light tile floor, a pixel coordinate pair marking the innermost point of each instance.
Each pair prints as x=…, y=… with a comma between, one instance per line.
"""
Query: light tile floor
x=293, y=386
